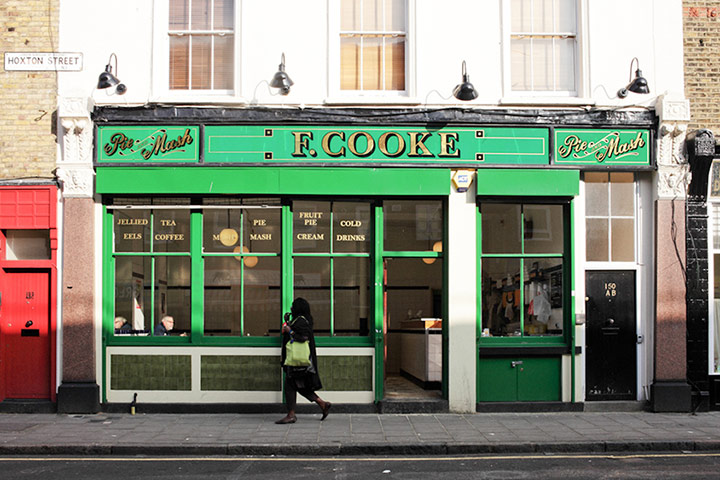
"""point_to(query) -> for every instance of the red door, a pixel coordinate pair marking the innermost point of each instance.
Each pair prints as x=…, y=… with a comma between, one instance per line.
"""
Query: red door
x=24, y=334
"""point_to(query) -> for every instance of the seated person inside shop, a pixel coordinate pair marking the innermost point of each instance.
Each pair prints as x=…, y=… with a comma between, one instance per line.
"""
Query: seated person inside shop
x=166, y=324
x=122, y=325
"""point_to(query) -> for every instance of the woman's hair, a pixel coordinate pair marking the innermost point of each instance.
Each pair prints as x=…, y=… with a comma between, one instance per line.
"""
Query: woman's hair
x=300, y=307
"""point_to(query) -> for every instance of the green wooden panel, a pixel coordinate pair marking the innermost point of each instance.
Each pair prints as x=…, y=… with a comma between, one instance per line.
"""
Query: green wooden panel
x=240, y=373
x=602, y=147
x=527, y=182
x=150, y=372
x=535, y=379
x=539, y=379
x=418, y=145
x=497, y=380
x=347, y=373
x=272, y=181
x=148, y=144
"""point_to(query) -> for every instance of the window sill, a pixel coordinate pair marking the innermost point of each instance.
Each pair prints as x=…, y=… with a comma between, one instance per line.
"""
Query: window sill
x=554, y=101
x=371, y=100
x=204, y=99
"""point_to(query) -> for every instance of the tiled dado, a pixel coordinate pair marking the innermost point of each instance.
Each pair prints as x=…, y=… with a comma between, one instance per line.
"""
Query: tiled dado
x=240, y=373
x=231, y=372
x=150, y=372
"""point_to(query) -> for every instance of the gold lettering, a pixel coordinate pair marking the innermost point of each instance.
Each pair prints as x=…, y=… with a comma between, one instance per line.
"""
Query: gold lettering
x=350, y=238
x=369, y=147
x=216, y=237
x=132, y=236
x=350, y=223
x=382, y=144
x=132, y=221
x=327, y=138
x=416, y=143
x=261, y=236
x=260, y=222
x=167, y=223
x=301, y=142
x=169, y=236
x=447, y=144
x=311, y=236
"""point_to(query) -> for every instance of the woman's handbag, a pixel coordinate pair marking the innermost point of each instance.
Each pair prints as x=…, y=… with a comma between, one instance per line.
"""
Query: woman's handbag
x=297, y=354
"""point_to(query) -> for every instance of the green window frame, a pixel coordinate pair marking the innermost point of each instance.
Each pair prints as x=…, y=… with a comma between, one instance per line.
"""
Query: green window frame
x=197, y=255
x=523, y=257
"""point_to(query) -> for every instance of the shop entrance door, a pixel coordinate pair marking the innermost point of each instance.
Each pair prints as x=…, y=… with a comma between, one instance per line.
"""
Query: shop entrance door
x=24, y=334
x=611, y=335
x=413, y=329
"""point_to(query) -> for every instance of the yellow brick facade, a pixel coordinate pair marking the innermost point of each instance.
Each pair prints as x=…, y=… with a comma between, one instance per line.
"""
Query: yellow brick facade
x=701, y=25
x=28, y=100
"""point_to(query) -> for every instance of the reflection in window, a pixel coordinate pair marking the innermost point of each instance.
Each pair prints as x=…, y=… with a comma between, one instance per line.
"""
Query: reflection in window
x=543, y=44
x=334, y=275
x=201, y=44
x=27, y=244
x=132, y=294
x=522, y=269
x=242, y=270
x=413, y=225
x=610, y=216
x=372, y=45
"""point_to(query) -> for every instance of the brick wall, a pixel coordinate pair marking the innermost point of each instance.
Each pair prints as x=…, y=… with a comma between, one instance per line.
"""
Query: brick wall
x=701, y=25
x=27, y=99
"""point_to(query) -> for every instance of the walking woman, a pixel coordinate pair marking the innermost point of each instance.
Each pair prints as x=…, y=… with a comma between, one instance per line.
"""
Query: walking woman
x=299, y=328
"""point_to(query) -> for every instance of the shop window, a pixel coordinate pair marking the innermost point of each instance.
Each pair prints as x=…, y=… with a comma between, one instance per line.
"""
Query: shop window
x=27, y=244
x=331, y=264
x=201, y=44
x=523, y=269
x=241, y=249
x=543, y=47
x=610, y=217
x=373, y=45
x=152, y=270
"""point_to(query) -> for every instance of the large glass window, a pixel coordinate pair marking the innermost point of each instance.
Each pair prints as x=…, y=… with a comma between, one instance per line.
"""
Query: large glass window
x=201, y=35
x=523, y=269
x=373, y=38
x=332, y=242
x=543, y=46
x=152, y=271
x=610, y=217
x=241, y=249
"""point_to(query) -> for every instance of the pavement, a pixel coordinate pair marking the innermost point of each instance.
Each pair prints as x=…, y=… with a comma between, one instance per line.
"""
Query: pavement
x=358, y=434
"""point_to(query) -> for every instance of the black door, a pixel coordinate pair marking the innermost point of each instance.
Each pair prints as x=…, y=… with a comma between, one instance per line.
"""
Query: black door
x=611, y=339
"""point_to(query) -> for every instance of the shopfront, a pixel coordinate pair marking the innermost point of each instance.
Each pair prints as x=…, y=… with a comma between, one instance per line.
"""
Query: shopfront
x=221, y=226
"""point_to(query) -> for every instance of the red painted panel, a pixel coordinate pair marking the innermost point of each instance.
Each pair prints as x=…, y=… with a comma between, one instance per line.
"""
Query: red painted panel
x=27, y=207
x=25, y=335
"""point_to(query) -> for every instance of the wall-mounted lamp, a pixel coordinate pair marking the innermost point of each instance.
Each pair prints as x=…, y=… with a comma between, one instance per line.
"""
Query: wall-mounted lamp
x=281, y=79
x=465, y=91
x=637, y=84
x=107, y=79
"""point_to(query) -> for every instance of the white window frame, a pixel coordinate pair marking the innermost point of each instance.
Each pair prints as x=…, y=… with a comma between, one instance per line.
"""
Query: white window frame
x=339, y=96
x=161, y=63
x=547, y=96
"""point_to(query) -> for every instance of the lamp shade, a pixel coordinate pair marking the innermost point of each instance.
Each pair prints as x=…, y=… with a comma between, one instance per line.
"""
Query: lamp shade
x=465, y=91
x=637, y=85
x=281, y=79
x=107, y=79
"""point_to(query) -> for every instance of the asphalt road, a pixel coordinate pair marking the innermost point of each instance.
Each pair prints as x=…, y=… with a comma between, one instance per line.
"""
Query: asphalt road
x=536, y=467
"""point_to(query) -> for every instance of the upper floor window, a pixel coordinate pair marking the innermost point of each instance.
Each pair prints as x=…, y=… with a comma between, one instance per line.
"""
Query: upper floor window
x=543, y=46
x=373, y=45
x=201, y=40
